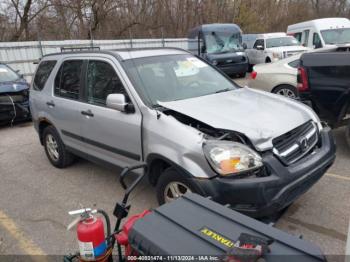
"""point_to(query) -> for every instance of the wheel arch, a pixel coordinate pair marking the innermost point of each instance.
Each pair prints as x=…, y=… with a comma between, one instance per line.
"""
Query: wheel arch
x=158, y=163
x=284, y=84
x=43, y=123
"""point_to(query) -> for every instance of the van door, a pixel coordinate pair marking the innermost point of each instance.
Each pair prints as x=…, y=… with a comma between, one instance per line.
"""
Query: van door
x=305, y=39
x=109, y=134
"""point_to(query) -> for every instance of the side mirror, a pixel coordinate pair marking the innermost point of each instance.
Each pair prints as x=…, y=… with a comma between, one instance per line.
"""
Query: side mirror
x=259, y=47
x=203, y=49
x=118, y=102
x=244, y=46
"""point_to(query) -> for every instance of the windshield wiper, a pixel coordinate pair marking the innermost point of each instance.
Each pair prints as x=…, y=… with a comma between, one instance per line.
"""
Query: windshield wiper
x=223, y=90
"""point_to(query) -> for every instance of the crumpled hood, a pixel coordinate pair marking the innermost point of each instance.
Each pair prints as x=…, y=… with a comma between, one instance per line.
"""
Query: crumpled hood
x=259, y=115
x=11, y=87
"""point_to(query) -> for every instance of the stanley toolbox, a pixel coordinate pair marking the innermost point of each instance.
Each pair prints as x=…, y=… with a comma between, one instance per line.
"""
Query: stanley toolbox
x=196, y=228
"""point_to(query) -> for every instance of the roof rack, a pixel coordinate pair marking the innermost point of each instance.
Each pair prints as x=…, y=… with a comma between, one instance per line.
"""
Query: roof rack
x=81, y=48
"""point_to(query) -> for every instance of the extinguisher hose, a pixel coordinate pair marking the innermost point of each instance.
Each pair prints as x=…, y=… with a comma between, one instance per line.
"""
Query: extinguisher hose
x=108, y=224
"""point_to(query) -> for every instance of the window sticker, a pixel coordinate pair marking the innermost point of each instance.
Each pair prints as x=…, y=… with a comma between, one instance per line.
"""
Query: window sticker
x=197, y=62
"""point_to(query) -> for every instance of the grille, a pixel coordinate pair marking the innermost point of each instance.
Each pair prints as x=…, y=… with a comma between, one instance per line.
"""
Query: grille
x=292, y=146
x=291, y=53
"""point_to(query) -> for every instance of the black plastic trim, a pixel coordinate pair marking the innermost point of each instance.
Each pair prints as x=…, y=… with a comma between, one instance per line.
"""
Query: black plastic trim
x=103, y=146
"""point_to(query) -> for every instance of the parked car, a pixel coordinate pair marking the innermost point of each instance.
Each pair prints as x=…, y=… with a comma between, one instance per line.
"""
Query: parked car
x=278, y=78
x=267, y=48
x=220, y=45
x=14, y=98
x=324, y=32
x=324, y=84
x=195, y=128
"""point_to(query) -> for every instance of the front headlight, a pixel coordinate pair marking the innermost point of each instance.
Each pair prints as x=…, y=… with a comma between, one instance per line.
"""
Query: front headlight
x=231, y=157
x=277, y=55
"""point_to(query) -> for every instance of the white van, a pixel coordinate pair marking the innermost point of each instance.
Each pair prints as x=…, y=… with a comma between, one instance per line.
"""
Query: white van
x=325, y=32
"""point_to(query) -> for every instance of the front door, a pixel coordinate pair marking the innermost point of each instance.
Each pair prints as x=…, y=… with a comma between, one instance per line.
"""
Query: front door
x=109, y=134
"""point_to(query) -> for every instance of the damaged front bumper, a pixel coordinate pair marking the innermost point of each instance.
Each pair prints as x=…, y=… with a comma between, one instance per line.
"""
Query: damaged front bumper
x=14, y=109
x=264, y=196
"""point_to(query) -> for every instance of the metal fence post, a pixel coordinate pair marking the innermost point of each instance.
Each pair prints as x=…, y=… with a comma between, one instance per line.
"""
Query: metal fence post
x=130, y=36
x=163, y=41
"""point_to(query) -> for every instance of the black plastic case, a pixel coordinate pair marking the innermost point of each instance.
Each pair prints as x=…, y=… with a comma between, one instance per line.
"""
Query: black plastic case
x=179, y=229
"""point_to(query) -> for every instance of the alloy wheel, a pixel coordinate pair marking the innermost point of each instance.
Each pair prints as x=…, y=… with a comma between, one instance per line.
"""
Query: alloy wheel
x=175, y=190
x=286, y=92
x=52, y=147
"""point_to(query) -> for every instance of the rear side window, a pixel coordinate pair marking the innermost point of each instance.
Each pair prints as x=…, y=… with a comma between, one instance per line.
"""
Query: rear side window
x=42, y=74
x=297, y=36
x=294, y=63
x=68, y=79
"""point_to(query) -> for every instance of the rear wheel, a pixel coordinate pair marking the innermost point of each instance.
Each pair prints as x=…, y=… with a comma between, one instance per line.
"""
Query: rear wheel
x=55, y=149
x=347, y=134
x=172, y=185
x=286, y=90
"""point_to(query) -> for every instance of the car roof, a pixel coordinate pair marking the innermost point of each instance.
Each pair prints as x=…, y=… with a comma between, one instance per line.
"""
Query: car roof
x=122, y=54
x=271, y=35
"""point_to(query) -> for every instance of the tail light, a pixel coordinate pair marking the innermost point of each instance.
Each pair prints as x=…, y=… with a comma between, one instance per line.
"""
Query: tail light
x=253, y=74
x=303, y=82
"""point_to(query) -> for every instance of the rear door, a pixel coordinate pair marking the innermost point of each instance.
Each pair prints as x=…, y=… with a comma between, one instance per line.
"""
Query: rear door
x=65, y=105
x=109, y=134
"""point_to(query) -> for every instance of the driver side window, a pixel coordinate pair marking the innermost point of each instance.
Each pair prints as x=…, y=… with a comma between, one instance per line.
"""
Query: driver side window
x=259, y=42
x=102, y=80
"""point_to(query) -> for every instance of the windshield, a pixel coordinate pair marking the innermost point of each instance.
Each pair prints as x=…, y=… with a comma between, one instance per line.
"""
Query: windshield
x=174, y=77
x=222, y=42
x=7, y=74
x=336, y=36
x=281, y=41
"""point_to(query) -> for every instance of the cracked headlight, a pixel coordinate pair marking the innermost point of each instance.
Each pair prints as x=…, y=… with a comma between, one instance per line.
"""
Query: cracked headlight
x=231, y=157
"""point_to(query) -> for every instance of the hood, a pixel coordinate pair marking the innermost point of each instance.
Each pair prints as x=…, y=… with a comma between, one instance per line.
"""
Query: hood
x=297, y=48
x=259, y=115
x=11, y=87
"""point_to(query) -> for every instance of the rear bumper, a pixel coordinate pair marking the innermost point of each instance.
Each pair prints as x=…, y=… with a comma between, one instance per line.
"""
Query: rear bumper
x=263, y=196
x=236, y=68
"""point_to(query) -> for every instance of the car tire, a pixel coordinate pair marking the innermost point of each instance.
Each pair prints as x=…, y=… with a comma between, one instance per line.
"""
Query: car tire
x=172, y=182
x=347, y=134
x=286, y=90
x=55, y=149
x=242, y=75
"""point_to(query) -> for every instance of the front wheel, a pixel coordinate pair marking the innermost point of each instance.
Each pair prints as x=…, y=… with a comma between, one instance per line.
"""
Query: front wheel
x=172, y=185
x=286, y=90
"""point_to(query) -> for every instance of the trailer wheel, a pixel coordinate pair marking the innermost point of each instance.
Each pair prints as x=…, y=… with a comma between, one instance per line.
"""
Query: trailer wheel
x=347, y=134
x=172, y=185
x=55, y=149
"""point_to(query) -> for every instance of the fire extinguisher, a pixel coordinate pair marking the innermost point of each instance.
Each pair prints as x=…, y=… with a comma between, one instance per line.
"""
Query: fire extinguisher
x=92, y=240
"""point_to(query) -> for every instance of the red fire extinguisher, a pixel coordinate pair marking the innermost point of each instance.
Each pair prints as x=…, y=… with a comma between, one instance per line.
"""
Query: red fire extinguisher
x=91, y=236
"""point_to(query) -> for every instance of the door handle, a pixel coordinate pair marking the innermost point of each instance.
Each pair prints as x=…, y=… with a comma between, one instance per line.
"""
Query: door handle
x=87, y=113
x=50, y=103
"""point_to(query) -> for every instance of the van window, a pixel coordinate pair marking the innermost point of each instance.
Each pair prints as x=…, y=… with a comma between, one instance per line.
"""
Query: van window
x=68, y=79
x=316, y=41
x=297, y=36
x=42, y=74
x=102, y=80
x=306, y=38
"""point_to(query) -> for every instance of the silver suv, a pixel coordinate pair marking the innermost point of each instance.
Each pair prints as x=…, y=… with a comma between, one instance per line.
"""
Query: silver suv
x=197, y=130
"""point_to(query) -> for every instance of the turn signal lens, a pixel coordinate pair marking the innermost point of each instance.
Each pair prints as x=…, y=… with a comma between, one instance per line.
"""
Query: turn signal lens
x=253, y=74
